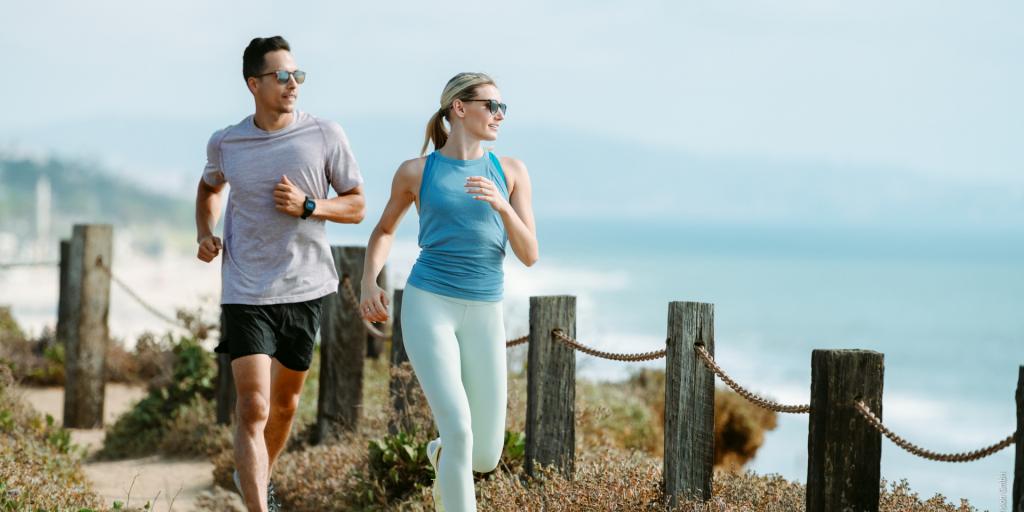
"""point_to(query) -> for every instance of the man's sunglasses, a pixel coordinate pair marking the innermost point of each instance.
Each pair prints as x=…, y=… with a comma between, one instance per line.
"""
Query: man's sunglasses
x=493, y=106
x=283, y=76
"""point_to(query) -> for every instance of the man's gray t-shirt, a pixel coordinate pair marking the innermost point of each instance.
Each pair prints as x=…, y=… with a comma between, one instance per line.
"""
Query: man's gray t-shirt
x=269, y=256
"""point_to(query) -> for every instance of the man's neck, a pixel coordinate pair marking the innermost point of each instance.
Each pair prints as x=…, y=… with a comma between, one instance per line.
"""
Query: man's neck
x=272, y=121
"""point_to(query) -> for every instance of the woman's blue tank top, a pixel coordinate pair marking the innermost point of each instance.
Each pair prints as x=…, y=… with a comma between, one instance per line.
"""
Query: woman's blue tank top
x=462, y=240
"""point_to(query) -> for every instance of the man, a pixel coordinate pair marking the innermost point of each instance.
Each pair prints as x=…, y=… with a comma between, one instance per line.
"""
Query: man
x=277, y=265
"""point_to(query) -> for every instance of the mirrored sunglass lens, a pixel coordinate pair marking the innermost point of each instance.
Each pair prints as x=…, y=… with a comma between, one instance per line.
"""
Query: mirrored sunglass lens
x=282, y=77
x=300, y=76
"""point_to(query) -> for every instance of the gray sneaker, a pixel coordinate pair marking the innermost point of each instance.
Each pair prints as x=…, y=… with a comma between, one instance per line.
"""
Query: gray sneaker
x=273, y=504
x=238, y=484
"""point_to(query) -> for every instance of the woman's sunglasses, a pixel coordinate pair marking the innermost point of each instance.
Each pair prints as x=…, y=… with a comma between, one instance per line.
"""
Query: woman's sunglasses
x=493, y=106
x=283, y=76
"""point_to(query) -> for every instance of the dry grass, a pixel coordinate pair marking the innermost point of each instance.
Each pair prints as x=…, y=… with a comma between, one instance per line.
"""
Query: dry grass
x=618, y=466
x=39, y=467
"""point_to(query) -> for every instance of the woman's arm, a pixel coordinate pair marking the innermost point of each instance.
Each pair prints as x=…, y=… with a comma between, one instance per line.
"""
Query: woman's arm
x=374, y=302
x=517, y=212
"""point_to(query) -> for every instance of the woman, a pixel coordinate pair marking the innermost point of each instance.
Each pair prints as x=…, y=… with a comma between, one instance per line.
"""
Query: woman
x=470, y=203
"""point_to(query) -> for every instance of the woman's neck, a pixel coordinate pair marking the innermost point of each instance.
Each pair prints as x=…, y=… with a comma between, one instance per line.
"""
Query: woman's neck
x=460, y=147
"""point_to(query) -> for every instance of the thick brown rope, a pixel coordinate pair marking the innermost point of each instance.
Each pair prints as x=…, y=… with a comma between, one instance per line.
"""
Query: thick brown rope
x=981, y=453
x=642, y=356
x=740, y=390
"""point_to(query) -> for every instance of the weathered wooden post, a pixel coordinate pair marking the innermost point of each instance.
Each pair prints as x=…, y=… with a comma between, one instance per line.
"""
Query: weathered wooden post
x=551, y=386
x=342, y=350
x=1017, y=505
x=64, y=298
x=375, y=345
x=844, y=450
x=88, y=304
x=689, y=403
x=401, y=389
x=225, y=390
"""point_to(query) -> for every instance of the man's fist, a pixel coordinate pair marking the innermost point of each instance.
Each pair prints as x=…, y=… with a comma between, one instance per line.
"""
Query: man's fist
x=209, y=248
x=288, y=198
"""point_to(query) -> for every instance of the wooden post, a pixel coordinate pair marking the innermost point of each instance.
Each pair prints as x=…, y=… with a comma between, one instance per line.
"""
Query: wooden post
x=1017, y=505
x=551, y=386
x=844, y=450
x=88, y=306
x=225, y=390
x=64, y=298
x=401, y=391
x=374, y=345
x=689, y=403
x=342, y=351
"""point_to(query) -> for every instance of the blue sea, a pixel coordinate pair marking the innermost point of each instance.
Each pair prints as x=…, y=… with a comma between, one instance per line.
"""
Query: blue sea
x=944, y=307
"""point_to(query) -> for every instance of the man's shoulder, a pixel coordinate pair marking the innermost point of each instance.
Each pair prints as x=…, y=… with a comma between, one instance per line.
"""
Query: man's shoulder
x=331, y=129
x=218, y=136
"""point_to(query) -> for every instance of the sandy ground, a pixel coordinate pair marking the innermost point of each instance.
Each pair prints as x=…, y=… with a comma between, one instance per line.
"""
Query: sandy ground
x=166, y=483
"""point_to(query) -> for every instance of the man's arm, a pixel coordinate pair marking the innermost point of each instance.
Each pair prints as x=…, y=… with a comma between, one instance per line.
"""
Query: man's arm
x=208, y=199
x=347, y=208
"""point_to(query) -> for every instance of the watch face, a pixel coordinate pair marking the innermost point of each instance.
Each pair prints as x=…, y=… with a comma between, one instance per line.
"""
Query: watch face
x=310, y=204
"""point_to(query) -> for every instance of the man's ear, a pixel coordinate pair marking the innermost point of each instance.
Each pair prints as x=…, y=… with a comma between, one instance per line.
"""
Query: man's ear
x=252, y=84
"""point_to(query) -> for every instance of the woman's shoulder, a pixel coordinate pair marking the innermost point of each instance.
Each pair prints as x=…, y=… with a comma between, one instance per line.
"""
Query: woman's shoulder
x=411, y=168
x=512, y=166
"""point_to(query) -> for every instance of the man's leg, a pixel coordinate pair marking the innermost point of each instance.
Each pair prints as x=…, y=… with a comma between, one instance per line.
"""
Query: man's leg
x=285, y=389
x=252, y=383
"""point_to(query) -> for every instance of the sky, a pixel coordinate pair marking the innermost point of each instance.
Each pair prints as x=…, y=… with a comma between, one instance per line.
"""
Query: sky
x=879, y=104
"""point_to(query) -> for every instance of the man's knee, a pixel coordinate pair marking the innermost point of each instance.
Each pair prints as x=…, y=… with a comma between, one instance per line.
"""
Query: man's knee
x=253, y=410
x=285, y=405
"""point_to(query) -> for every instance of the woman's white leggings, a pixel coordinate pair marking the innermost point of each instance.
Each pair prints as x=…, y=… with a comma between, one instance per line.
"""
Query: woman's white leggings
x=457, y=349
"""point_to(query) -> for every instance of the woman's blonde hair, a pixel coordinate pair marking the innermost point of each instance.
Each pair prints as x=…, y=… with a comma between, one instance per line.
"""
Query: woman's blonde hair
x=462, y=86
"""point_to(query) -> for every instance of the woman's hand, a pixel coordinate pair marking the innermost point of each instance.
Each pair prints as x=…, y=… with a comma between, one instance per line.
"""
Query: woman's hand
x=373, y=303
x=484, y=189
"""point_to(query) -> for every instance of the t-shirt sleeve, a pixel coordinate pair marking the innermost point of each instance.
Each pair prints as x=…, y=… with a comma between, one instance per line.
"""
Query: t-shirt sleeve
x=342, y=169
x=213, y=175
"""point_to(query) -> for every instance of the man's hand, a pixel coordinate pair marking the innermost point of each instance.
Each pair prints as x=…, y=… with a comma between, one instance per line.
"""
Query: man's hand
x=209, y=248
x=288, y=198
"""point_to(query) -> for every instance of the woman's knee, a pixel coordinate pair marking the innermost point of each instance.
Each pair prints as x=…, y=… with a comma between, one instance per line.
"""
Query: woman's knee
x=486, y=457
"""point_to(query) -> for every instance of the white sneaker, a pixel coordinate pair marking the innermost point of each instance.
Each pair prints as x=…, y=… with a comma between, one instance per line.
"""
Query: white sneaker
x=433, y=454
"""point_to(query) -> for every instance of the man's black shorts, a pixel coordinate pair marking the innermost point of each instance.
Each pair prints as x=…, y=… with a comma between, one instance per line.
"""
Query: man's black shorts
x=286, y=332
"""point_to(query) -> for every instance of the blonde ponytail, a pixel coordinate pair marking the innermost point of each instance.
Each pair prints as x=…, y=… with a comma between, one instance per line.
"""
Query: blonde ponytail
x=461, y=87
x=436, y=132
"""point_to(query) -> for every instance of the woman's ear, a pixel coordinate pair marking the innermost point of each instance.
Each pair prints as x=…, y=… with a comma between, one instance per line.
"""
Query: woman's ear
x=459, y=108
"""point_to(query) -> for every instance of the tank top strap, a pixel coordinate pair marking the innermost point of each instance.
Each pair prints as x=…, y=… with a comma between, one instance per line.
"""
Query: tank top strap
x=497, y=166
x=426, y=173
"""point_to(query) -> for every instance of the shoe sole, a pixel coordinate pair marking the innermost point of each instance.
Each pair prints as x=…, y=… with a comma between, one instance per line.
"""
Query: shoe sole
x=438, y=505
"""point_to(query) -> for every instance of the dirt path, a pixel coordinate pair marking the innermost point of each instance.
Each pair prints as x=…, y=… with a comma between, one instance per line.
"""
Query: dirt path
x=155, y=479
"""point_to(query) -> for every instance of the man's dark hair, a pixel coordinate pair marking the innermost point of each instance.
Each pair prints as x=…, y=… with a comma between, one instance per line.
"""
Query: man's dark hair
x=252, y=59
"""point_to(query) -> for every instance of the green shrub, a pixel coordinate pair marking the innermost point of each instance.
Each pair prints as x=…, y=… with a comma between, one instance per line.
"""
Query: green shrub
x=139, y=431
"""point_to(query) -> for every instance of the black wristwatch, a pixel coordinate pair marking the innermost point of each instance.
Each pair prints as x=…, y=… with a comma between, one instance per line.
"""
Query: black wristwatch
x=308, y=207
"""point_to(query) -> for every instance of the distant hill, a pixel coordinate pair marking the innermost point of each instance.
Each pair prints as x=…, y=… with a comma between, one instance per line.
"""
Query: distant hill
x=85, y=193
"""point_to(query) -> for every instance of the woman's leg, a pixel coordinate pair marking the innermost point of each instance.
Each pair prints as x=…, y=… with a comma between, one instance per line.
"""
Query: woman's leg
x=428, y=328
x=482, y=341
